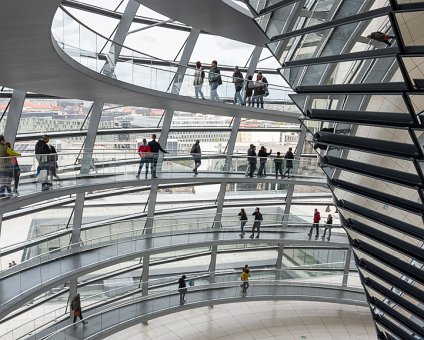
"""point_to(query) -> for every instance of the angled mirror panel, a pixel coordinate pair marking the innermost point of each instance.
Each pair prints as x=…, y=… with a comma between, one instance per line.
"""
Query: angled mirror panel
x=381, y=186
x=415, y=70
x=417, y=101
x=411, y=27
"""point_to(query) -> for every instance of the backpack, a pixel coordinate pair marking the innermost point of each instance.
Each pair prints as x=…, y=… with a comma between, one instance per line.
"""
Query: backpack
x=260, y=217
x=219, y=80
x=193, y=149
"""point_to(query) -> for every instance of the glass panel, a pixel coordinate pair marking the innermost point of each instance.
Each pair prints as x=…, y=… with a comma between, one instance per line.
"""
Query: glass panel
x=45, y=115
x=345, y=39
x=353, y=102
x=348, y=72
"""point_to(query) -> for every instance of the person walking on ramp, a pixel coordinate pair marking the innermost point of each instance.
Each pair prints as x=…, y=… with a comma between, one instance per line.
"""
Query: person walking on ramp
x=256, y=223
x=182, y=288
x=317, y=218
x=245, y=275
x=289, y=162
x=76, y=308
x=196, y=153
x=243, y=220
x=328, y=225
x=154, y=149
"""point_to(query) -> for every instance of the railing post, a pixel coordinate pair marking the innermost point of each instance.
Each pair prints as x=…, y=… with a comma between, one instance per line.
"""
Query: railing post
x=12, y=121
x=231, y=145
x=151, y=205
x=279, y=262
x=212, y=265
x=73, y=289
x=290, y=189
x=77, y=221
x=90, y=140
x=185, y=59
x=14, y=115
x=346, y=267
x=119, y=37
x=145, y=279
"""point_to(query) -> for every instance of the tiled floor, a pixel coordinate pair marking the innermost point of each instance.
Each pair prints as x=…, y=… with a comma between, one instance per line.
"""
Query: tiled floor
x=283, y=320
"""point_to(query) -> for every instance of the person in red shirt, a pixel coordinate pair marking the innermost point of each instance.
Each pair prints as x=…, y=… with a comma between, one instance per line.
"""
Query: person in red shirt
x=317, y=218
x=144, y=152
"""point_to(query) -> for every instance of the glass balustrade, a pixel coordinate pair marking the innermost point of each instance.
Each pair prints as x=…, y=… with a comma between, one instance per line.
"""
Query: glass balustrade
x=108, y=166
x=90, y=49
x=120, y=247
x=195, y=229
x=211, y=293
x=167, y=286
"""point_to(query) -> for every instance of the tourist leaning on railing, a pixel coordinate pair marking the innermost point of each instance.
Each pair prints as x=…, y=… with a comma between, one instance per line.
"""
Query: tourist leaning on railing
x=289, y=157
x=250, y=85
x=145, y=157
x=42, y=152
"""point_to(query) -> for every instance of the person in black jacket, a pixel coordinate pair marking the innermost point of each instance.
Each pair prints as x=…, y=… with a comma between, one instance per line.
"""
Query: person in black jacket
x=42, y=150
x=261, y=85
x=238, y=84
x=289, y=162
x=278, y=161
x=76, y=308
x=243, y=220
x=262, y=160
x=250, y=85
x=328, y=225
x=196, y=153
x=256, y=223
x=182, y=288
x=154, y=149
x=214, y=80
x=251, y=153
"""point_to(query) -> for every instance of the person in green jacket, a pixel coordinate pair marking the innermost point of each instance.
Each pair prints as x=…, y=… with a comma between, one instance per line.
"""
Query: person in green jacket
x=6, y=171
